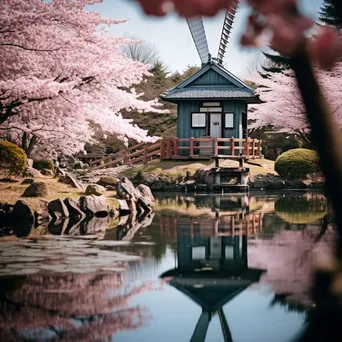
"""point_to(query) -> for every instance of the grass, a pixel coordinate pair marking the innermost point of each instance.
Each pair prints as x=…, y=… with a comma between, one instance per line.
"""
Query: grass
x=174, y=168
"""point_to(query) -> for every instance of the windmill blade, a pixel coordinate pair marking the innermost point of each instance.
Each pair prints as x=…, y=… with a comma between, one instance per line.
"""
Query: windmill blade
x=226, y=31
x=200, y=39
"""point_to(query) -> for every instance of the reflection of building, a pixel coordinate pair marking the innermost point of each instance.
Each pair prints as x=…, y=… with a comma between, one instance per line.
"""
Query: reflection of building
x=212, y=266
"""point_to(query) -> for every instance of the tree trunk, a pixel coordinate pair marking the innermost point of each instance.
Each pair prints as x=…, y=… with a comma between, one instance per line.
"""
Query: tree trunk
x=31, y=145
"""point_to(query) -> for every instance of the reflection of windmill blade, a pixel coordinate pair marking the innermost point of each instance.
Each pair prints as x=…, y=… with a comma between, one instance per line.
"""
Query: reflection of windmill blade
x=225, y=327
x=201, y=328
x=227, y=28
x=200, y=39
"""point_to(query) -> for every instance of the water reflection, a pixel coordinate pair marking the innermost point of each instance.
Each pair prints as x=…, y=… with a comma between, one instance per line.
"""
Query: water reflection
x=212, y=266
x=223, y=257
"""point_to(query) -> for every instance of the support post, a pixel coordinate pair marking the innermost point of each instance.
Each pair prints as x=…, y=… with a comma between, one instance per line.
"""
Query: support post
x=232, y=142
x=215, y=147
x=192, y=147
x=245, y=147
x=253, y=147
x=175, y=146
x=162, y=153
x=145, y=155
x=168, y=149
x=259, y=148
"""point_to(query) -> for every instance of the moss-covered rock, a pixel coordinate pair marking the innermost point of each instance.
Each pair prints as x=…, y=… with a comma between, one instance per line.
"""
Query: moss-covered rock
x=297, y=163
x=43, y=164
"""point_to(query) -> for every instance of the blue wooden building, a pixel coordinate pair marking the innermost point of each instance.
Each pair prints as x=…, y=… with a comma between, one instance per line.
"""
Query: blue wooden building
x=213, y=103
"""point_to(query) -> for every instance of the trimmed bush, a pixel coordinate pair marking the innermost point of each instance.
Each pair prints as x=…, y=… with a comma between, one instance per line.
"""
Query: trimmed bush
x=78, y=165
x=43, y=164
x=13, y=159
x=297, y=163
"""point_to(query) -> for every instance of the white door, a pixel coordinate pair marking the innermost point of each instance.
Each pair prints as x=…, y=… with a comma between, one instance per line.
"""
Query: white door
x=216, y=125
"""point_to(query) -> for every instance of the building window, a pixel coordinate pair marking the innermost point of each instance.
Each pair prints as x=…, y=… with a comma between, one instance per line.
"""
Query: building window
x=198, y=120
x=229, y=120
x=211, y=109
x=211, y=104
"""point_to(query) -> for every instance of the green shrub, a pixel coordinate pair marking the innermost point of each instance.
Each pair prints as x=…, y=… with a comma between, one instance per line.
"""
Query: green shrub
x=13, y=159
x=78, y=165
x=41, y=164
x=297, y=163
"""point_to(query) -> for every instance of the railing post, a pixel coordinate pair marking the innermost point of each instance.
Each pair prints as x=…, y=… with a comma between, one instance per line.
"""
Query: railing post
x=216, y=151
x=259, y=148
x=145, y=155
x=162, y=149
x=192, y=147
x=168, y=148
x=232, y=142
x=253, y=153
x=245, y=147
x=175, y=146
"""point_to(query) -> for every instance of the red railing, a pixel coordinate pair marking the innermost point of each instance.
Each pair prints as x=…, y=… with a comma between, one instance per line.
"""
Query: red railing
x=174, y=148
x=178, y=148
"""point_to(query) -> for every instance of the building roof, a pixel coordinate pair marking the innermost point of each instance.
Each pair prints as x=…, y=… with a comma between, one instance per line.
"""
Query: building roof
x=212, y=82
x=221, y=92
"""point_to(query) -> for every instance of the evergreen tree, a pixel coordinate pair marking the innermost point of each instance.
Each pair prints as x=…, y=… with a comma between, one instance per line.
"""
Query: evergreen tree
x=275, y=63
x=331, y=14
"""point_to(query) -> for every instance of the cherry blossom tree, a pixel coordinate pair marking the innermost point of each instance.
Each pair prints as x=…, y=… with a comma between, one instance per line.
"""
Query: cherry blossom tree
x=60, y=71
x=283, y=109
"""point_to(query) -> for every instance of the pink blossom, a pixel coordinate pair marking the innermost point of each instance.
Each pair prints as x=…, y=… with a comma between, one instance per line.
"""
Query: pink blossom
x=61, y=73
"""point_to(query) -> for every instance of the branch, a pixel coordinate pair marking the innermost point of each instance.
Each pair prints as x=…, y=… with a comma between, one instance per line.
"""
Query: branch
x=29, y=49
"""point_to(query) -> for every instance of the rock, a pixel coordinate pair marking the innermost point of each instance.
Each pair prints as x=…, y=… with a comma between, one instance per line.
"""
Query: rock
x=145, y=204
x=58, y=209
x=70, y=180
x=27, y=181
x=58, y=226
x=47, y=172
x=97, y=226
x=146, y=192
x=95, y=189
x=31, y=172
x=6, y=209
x=22, y=229
x=37, y=189
x=259, y=185
x=276, y=185
x=29, y=162
x=298, y=184
x=123, y=207
x=95, y=205
x=132, y=205
x=74, y=208
x=126, y=190
x=42, y=214
x=22, y=211
x=189, y=186
x=60, y=172
x=108, y=181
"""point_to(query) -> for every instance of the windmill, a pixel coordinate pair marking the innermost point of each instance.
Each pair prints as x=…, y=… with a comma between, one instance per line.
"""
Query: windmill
x=197, y=30
x=212, y=103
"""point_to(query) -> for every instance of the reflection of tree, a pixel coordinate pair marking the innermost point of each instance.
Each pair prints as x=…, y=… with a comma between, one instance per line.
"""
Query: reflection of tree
x=301, y=209
x=288, y=259
x=78, y=307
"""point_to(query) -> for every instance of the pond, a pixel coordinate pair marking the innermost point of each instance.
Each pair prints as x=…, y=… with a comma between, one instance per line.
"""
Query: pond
x=200, y=268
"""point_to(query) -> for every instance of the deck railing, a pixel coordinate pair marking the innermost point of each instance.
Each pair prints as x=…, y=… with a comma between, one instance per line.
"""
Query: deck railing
x=174, y=148
x=178, y=148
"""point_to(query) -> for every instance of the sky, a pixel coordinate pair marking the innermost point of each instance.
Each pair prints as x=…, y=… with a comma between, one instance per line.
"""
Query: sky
x=171, y=36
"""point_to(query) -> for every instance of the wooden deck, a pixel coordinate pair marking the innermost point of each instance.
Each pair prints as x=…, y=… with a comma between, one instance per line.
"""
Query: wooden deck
x=183, y=149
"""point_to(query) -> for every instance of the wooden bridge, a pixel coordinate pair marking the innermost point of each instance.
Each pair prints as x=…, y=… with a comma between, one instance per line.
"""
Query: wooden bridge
x=180, y=149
